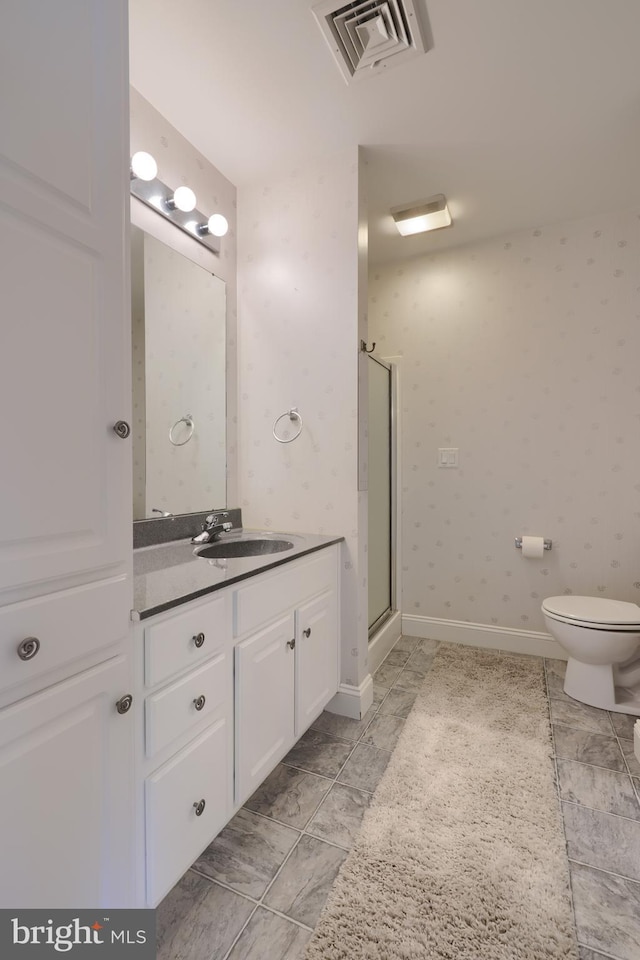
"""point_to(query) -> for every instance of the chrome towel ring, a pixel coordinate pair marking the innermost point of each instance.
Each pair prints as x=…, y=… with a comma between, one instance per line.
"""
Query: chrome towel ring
x=190, y=426
x=293, y=415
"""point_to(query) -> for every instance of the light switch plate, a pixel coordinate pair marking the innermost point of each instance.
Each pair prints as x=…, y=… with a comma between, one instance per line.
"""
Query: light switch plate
x=448, y=457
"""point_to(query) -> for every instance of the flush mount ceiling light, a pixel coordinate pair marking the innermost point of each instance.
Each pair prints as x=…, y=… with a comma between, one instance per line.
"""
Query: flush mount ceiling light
x=423, y=215
x=178, y=205
x=367, y=37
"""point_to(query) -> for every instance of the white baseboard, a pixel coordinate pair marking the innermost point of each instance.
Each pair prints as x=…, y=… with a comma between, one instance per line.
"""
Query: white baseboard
x=384, y=639
x=481, y=635
x=352, y=701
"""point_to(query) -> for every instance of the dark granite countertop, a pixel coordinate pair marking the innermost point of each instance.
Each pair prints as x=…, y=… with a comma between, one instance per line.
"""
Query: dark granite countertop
x=170, y=574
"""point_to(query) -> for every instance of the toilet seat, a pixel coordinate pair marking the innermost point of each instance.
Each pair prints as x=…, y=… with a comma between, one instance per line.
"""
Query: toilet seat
x=596, y=613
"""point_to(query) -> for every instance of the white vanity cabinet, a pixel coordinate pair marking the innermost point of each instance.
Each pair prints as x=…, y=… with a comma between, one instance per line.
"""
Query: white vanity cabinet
x=286, y=661
x=185, y=743
x=225, y=686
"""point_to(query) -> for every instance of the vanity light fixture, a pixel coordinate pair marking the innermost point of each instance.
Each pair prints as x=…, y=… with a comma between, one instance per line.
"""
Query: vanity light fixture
x=178, y=206
x=143, y=166
x=217, y=225
x=183, y=199
x=423, y=215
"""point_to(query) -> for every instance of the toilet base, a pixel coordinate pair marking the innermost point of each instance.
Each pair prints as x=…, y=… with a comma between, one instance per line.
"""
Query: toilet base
x=594, y=684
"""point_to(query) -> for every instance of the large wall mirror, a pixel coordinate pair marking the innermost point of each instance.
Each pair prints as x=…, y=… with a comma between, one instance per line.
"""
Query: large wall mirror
x=179, y=390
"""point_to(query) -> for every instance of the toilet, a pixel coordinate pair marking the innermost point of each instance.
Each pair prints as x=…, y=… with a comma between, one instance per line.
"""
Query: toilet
x=602, y=638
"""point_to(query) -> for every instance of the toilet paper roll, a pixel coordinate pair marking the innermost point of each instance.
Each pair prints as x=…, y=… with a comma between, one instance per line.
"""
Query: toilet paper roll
x=533, y=547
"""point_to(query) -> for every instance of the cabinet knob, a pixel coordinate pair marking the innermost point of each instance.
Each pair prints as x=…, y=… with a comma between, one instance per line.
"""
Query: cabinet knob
x=123, y=705
x=122, y=429
x=291, y=643
x=28, y=648
x=198, y=639
x=199, y=807
x=307, y=632
x=199, y=702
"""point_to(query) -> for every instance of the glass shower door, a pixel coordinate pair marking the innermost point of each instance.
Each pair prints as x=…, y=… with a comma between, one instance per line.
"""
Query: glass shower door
x=380, y=550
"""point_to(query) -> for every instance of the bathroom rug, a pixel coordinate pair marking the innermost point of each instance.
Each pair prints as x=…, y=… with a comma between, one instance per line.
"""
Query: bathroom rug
x=461, y=855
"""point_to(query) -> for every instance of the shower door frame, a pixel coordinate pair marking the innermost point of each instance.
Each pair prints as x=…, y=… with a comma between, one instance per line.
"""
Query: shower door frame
x=394, y=470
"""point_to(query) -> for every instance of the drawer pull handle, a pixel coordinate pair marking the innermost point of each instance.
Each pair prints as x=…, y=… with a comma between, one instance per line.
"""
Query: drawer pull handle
x=123, y=705
x=28, y=648
x=199, y=702
x=198, y=639
x=122, y=429
x=291, y=643
x=307, y=632
x=199, y=807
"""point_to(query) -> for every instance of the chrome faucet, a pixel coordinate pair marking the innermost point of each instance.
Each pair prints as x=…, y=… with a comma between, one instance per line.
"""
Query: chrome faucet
x=212, y=528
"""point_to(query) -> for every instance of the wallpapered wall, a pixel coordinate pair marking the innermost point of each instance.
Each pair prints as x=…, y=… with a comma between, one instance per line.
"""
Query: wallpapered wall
x=523, y=352
x=179, y=162
x=298, y=347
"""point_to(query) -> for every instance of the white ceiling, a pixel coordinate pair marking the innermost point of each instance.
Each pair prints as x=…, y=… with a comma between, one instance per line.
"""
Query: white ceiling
x=524, y=112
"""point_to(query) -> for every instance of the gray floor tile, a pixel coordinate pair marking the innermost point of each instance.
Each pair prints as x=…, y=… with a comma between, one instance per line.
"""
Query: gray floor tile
x=411, y=680
x=629, y=755
x=581, y=716
x=344, y=727
x=319, y=753
x=270, y=937
x=421, y=660
x=340, y=814
x=623, y=724
x=586, y=954
x=429, y=645
x=572, y=744
x=365, y=767
x=379, y=693
x=199, y=920
x=607, y=912
x=407, y=644
x=398, y=703
x=302, y=886
x=556, y=670
x=289, y=795
x=383, y=732
x=556, y=667
x=602, y=841
x=386, y=674
x=248, y=853
x=396, y=658
x=598, y=788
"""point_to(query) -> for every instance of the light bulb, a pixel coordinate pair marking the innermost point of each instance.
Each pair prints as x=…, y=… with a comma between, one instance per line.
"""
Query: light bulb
x=143, y=166
x=184, y=199
x=217, y=225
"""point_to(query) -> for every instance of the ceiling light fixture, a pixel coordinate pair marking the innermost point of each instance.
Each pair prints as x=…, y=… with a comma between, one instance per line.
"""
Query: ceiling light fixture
x=177, y=206
x=431, y=214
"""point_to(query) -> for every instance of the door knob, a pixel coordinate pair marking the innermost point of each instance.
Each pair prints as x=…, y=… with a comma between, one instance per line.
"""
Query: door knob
x=28, y=648
x=199, y=702
x=122, y=429
x=199, y=807
x=291, y=643
x=123, y=705
x=307, y=632
x=198, y=639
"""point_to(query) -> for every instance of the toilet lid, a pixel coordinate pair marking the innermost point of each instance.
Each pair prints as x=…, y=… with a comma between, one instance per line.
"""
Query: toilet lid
x=593, y=610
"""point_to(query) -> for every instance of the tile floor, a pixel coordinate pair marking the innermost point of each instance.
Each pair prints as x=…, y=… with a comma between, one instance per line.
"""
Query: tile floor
x=257, y=891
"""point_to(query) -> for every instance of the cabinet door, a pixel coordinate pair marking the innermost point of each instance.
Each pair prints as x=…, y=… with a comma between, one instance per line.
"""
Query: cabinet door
x=316, y=658
x=66, y=794
x=64, y=353
x=264, y=678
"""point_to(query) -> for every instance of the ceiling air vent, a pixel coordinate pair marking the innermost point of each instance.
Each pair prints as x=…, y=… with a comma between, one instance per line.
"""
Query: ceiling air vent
x=368, y=37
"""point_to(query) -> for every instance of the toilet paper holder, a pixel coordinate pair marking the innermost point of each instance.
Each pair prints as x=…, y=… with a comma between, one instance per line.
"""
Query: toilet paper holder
x=547, y=543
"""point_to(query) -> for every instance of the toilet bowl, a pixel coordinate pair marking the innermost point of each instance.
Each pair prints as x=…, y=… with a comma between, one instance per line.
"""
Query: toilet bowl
x=602, y=638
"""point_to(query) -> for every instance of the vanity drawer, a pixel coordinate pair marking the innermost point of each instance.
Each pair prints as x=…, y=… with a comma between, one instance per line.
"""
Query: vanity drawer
x=67, y=625
x=199, y=695
x=257, y=603
x=176, y=834
x=183, y=640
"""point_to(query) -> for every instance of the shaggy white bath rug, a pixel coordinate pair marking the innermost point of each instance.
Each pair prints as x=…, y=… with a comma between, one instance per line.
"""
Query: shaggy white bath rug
x=461, y=855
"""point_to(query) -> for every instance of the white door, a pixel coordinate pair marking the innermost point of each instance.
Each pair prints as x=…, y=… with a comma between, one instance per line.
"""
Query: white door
x=264, y=678
x=64, y=347
x=65, y=794
x=316, y=659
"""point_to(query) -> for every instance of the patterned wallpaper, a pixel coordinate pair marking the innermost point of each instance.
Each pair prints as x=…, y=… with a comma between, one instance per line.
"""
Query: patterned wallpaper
x=298, y=347
x=179, y=162
x=523, y=352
